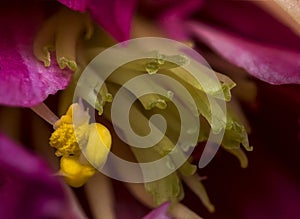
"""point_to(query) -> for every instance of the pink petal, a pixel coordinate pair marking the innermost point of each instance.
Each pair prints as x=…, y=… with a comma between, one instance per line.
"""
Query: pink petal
x=114, y=16
x=27, y=187
x=275, y=65
x=76, y=5
x=159, y=213
x=24, y=81
x=238, y=17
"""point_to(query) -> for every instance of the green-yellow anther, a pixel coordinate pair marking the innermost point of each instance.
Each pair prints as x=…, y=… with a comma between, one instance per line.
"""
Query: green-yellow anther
x=168, y=188
x=75, y=173
x=64, y=62
x=61, y=33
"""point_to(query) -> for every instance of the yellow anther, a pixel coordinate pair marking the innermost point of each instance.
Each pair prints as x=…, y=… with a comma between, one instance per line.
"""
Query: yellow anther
x=65, y=141
x=65, y=118
x=66, y=136
x=98, y=145
x=75, y=173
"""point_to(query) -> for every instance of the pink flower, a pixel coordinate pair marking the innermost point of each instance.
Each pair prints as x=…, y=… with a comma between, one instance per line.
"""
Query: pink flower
x=234, y=36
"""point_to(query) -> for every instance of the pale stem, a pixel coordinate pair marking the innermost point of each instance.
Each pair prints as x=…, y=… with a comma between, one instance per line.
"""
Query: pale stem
x=196, y=186
x=45, y=113
x=180, y=211
x=100, y=196
x=139, y=192
x=74, y=205
x=240, y=155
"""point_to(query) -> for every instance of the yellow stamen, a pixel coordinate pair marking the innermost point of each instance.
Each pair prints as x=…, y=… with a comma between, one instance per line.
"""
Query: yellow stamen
x=74, y=134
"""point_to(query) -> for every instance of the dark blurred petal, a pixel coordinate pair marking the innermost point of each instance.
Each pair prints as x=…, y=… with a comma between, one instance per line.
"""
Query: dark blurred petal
x=76, y=5
x=28, y=189
x=280, y=197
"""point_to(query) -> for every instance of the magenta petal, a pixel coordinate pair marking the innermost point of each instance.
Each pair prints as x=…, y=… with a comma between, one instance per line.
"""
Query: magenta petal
x=27, y=187
x=114, y=16
x=275, y=65
x=24, y=81
x=159, y=213
x=76, y=5
x=172, y=19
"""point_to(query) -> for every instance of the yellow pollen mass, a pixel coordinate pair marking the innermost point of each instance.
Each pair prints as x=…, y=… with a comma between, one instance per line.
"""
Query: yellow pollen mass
x=64, y=138
x=65, y=141
x=75, y=173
